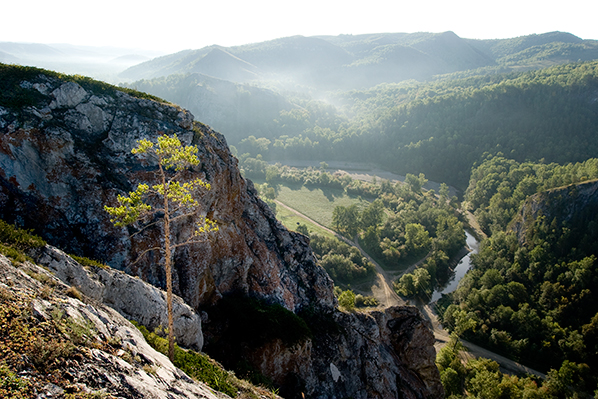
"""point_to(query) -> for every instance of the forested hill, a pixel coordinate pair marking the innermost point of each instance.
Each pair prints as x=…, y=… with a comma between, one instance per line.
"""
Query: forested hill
x=442, y=129
x=531, y=292
x=550, y=114
x=361, y=61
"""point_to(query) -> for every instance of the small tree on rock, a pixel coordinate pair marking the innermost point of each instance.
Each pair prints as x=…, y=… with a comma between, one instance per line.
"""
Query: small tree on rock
x=171, y=200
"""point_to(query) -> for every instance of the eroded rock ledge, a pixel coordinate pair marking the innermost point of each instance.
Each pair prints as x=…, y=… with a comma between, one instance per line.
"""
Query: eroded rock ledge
x=103, y=370
x=133, y=298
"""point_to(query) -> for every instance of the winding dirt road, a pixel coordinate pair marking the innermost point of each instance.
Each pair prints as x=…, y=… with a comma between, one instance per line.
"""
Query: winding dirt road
x=381, y=290
x=387, y=297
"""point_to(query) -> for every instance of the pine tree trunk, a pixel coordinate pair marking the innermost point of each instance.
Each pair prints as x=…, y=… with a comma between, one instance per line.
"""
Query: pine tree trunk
x=168, y=268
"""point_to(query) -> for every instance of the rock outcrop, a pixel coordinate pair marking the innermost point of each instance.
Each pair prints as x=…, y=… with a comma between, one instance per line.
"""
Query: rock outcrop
x=391, y=351
x=571, y=205
x=68, y=155
x=133, y=298
x=103, y=370
x=65, y=152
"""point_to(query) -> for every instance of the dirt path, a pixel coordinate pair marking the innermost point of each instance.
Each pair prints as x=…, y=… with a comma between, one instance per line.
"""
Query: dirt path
x=381, y=290
x=507, y=366
x=387, y=297
x=384, y=282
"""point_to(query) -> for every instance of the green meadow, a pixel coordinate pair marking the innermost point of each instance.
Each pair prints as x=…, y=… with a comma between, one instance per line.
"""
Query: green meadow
x=316, y=203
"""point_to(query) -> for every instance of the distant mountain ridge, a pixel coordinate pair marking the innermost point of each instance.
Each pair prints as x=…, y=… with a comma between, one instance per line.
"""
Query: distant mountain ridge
x=353, y=62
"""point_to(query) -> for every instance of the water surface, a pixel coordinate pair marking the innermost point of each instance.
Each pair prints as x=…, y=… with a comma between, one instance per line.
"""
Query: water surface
x=460, y=270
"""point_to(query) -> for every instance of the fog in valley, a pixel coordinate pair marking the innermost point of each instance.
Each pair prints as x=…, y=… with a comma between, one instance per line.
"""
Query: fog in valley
x=384, y=149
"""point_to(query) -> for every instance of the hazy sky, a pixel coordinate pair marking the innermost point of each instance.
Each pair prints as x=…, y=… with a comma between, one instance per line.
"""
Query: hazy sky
x=182, y=24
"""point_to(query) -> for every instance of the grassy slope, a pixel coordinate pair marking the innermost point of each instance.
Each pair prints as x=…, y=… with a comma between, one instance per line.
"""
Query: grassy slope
x=317, y=203
x=291, y=220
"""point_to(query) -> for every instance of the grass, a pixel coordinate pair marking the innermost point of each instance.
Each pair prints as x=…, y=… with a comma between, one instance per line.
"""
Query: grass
x=196, y=365
x=317, y=203
x=291, y=220
x=14, y=242
x=89, y=262
x=42, y=348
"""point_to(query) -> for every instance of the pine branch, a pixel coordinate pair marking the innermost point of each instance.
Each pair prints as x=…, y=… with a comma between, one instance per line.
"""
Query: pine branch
x=141, y=230
x=189, y=242
x=184, y=215
x=144, y=252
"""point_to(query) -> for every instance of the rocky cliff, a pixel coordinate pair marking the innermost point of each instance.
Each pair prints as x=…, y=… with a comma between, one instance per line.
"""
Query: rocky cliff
x=62, y=345
x=68, y=154
x=65, y=152
x=571, y=206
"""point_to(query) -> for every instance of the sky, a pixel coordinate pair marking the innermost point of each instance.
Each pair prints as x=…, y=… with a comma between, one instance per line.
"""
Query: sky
x=191, y=24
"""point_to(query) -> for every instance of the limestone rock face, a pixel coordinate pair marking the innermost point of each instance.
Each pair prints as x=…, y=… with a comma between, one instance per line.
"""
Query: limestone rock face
x=575, y=204
x=65, y=158
x=103, y=373
x=391, y=350
x=131, y=297
x=67, y=152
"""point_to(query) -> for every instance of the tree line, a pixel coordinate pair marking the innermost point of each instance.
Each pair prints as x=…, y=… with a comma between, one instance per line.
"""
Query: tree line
x=442, y=128
x=531, y=295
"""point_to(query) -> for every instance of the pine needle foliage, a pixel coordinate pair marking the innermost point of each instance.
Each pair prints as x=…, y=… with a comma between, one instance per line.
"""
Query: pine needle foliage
x=172, y=199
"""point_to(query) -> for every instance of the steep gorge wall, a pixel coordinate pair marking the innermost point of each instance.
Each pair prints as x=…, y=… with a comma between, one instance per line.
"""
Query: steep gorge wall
x=64, y=159
x=573, y=205
x=66, y=153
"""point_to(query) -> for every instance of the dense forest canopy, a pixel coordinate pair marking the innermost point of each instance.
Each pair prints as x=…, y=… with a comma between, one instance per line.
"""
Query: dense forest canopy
x=531, y=293
x=440, y=128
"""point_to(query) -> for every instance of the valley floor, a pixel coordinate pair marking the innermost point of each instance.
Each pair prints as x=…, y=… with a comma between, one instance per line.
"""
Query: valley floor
x=381, y=289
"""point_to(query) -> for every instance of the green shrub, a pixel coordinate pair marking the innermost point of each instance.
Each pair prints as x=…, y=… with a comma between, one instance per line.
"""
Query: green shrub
x=15, y=241
x=196, y=365
x=14, y=255
x=347, y=300
x=12, y=95
x=364, y=301
x=12, y=386
x=89, y=262
x=19, y=238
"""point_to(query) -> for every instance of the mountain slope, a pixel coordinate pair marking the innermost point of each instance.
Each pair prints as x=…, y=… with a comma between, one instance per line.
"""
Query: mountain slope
x=328, y=62
x=65, y=147
x=500, y=48
x=237, y=109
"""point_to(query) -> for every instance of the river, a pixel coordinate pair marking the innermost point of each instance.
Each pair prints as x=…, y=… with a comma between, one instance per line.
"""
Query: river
x=367, y=172
x=460, y=270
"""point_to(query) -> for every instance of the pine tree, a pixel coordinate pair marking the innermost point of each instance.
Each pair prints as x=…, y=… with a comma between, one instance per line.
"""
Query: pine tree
x=171, y=200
